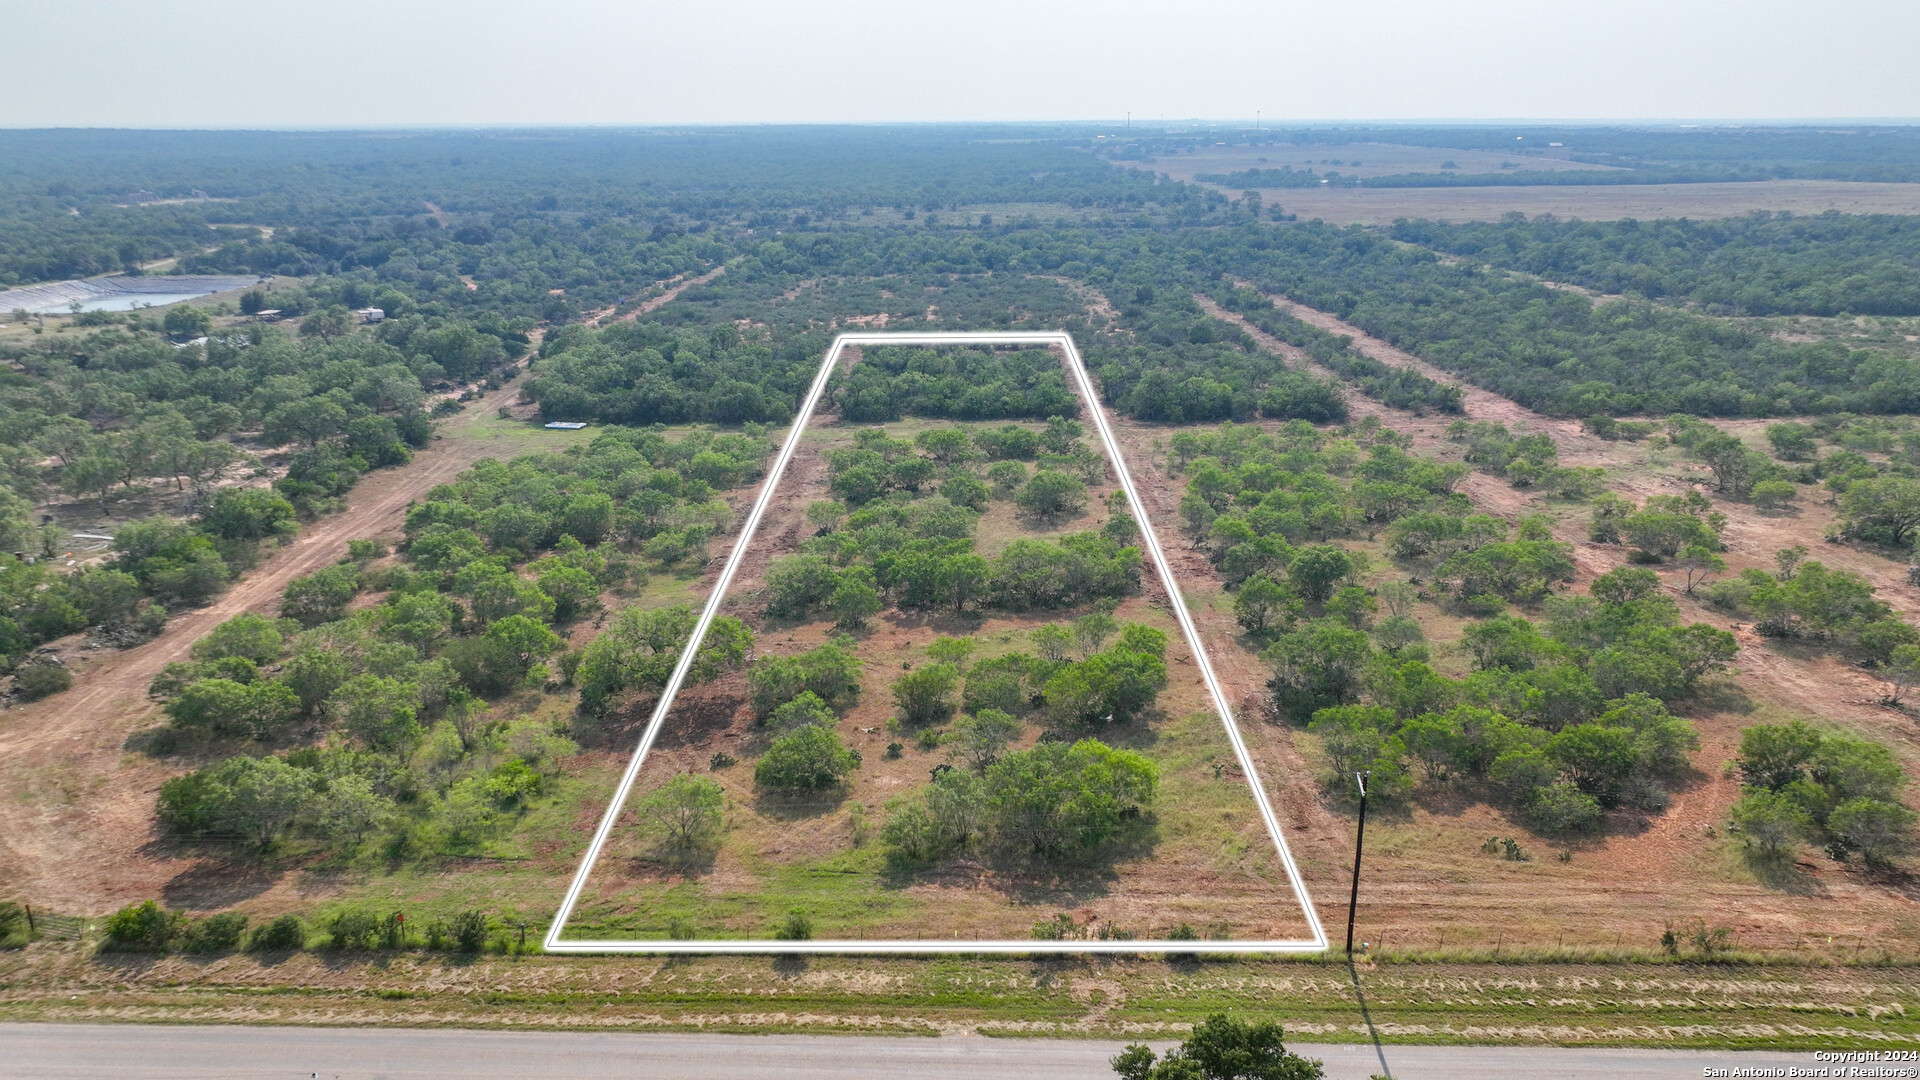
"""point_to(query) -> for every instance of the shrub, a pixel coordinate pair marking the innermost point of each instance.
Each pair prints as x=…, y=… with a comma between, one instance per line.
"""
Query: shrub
x=321, y=596
x=352, y=928
x=797, y=927
x=282, y=934
x=1563, y=810
x=469, y=931
x=35, y=681
x=15, y=930
x=215, y=933
x=806, y=759
x=924, y=695
x=1052, y=494
x=143, y=927
x=831, y=672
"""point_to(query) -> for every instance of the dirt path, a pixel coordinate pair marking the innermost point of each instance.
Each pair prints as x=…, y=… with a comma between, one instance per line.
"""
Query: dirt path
x=675, y=287
x=76, y=808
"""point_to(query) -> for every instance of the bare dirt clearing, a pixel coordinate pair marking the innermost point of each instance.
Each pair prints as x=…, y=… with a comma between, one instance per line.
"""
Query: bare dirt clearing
x=1360, y=159
x=1381, y=206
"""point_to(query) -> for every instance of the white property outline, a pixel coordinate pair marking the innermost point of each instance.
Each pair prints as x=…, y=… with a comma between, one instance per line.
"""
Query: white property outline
x=1064, y=341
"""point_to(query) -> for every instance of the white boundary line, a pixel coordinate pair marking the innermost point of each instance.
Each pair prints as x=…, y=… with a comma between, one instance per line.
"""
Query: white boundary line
x=1063, y=341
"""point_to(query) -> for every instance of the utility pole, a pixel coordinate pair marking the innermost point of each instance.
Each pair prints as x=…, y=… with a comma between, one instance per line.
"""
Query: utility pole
x=1353, y=899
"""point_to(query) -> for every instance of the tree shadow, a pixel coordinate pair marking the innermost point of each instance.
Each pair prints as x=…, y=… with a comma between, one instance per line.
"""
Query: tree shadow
x=665, y=860
x=1032, y=879
x=1722, y=695
x=1445, y=800
x=699, y=714
x=942, y=620
x=799, y=805
x=218, y=884
x=1779, y=870
x=1135, y=733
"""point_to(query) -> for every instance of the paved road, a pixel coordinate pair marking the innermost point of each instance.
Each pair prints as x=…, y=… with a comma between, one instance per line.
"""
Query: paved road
x=103, y=1052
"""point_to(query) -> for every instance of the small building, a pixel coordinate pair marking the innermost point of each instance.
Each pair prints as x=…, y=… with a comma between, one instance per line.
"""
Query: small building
x=271, y=314
x=371, y=314
x=567, y=425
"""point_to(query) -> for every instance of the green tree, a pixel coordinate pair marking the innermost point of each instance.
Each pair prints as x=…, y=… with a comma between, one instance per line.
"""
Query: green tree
x=254, y=637
x=144, y=927
x=686, y=811
x=1878, y=829
x=945, y=445
x=382, y=712
x=979, y=738
x=831, y=672
x=574, y=592
x=639, y=649
x=1883, y=508
x=526, y=638
x=1054, y=641
x=1792, y=442
x=327, y=324
x=313, y=674
x=1698, y=561
x=1056, y=800
x=1733, y=465
x=321, y=596
x=307, y=421
x=249, y=514
x=1598, y=759
x=1770, y=820
x=1316, y=570
x=1902, y=671
x=807, y=758
x=1317, y=666
x=1262, y=604
x=1050, y=495
x=256, y=799
x=1774, y=495
x=1661, y=534
x=1221, y=1048
x=184, y=321
x=854, y=599
x=925, y=694
x=1775, y=755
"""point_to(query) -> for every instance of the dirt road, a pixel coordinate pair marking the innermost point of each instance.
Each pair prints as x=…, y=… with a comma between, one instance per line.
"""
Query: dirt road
x=76, y=807
x=674, y=288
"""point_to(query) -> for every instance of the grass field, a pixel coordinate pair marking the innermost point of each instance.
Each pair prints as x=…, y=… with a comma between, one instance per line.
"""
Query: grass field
x=1430, y=1000
x=1382, y=206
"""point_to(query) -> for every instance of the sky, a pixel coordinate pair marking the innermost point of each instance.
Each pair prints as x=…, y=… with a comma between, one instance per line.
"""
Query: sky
x=274, y=63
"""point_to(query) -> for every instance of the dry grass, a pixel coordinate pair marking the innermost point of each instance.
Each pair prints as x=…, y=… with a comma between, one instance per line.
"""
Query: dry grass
x=1517, y=1002
x=1382, y=206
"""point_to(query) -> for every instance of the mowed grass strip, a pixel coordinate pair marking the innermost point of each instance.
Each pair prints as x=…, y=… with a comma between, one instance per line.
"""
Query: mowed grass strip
x=1676, y=1004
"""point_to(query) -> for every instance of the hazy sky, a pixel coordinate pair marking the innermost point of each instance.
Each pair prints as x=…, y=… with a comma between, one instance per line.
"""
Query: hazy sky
x=224, y=63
